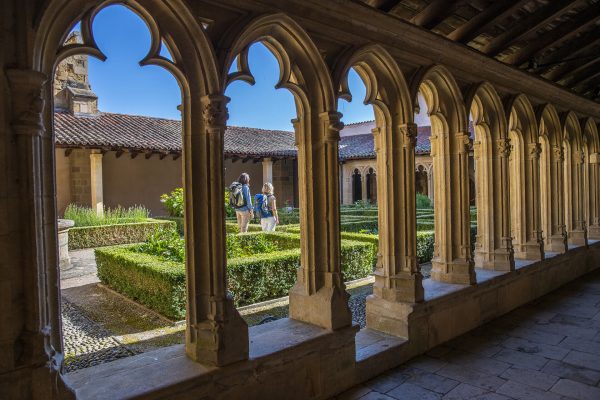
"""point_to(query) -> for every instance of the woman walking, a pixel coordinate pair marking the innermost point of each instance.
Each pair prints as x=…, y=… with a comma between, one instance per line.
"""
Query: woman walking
x=241, y=201
x=267, y=208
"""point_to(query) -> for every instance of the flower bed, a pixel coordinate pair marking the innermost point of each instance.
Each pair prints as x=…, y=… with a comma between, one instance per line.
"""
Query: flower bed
x=108, y=235
x=160, y=284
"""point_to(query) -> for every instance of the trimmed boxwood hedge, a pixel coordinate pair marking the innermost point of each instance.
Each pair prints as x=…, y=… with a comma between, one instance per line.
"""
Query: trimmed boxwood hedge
x=108, y=235
x=160, y=284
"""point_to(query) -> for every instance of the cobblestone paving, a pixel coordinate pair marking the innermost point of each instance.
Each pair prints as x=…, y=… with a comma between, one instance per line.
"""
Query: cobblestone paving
x=547, y=350
x=86, y=342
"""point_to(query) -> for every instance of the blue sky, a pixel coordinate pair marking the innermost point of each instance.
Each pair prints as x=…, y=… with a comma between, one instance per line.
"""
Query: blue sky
x=123, y=86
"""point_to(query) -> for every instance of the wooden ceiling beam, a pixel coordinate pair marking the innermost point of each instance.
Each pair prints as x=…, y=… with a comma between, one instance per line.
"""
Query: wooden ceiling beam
x=570, y=50
x=593, y=77
x=434, y=13
x=495, y=12
x=576, y=74
x=525, y=26
x=563, y=32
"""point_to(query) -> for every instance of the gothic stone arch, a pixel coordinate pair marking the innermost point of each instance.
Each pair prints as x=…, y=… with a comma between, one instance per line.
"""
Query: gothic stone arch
x=592, y=209
x=319, y=296
x=452, y=260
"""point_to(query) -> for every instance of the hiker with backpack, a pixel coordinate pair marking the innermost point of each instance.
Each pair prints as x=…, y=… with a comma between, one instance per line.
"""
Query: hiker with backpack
x=266, y=208
x=240, y=200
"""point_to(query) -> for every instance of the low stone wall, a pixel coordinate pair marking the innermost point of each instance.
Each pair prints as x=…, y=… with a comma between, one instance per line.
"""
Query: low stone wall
x=293, y=360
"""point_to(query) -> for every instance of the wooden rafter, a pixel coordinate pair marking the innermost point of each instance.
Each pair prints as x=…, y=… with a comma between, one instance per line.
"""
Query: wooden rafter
x=119, y=153
x=593, y=78
x=436, y=12
x=569, y=52
x=527, y=25
x=575, y=75
x=497, y=11
x=148, y=155
x=561, y=33
x=68, y=152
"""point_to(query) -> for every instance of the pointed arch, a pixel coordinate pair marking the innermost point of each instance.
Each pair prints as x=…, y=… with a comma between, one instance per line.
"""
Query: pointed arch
x=524, y=166
x=592, y=178
x=551, y=179
x=450, y=145
x=304, y=73
x=491, y=148
x=193, y=64
x=574, y=190
x=394, y=138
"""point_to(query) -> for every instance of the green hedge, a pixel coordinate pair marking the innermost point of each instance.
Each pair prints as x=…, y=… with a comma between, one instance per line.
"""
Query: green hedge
x=108, y=235
x=178, y=221
x=160, y=284
x=147, y=279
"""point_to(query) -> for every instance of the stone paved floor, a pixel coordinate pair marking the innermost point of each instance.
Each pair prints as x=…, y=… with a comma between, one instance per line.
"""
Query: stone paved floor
x=548, y=349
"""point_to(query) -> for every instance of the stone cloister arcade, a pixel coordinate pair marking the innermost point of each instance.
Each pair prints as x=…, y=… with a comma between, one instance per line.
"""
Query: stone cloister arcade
x=537, y=156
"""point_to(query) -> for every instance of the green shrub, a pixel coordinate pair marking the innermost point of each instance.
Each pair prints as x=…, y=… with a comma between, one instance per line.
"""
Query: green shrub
x=178, y=221
x=147, y=279
x=425, y=241
x=109, y=235
x=86, y=216
x=164, y=243
x=423, y=201
x=229, y=210
x=173, y=202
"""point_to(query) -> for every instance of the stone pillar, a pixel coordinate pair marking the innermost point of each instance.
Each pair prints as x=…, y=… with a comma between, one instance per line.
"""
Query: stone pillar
x=267, y=167
x=452, y=260
x=216, y=334
x=556, y=239
x=96, y=191
x=34, y=346
x=494, y=248
x=594, y=192
x=398, y=281
x=363, y=184
x=430, y=184
x=533, y=248
x=319, y=296
x=577, y=234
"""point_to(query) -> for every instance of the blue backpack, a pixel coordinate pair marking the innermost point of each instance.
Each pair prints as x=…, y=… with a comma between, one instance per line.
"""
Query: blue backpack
x=262, y=205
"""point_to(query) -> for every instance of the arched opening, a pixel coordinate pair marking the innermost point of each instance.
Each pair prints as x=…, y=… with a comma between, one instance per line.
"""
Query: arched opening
x=302, y=71
x=372, y=186
x=551, y=180
x=524, y=176
x=199, y=87
x=493, y=249
x=450, y=145
x=421, y=181
x=356, y=186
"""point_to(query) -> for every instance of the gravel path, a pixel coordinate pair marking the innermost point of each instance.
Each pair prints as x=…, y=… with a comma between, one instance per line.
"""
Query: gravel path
x=86, y=342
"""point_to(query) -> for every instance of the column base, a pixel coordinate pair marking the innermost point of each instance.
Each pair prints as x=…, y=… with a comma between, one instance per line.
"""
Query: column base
x=402, y=287
x=390, y=317
x=456, y=271
x=594, y=232
x=500, y=260
x=577, y=238
x=220, y=340
x=530, y=251
x=327, y=308
x=557, y=244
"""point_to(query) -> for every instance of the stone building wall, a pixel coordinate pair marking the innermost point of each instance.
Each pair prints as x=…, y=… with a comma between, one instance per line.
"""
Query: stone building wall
x=285, y=181
x=80, y=177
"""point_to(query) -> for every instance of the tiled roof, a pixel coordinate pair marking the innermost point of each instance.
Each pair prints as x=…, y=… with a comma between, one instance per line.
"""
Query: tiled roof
x=147, y=134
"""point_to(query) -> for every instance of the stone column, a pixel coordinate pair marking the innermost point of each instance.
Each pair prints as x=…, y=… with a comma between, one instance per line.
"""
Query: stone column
x=430, y=184
x=267, y=167
x=556, y=239
x=319, y=296
x=216, y=334
x=398, y=281
x=363, y=184
x=578, y=232
x=34, y=346
x=452, y=260
x=533, y=248
x=96, y=191
x=494, y=248
x=594, y=191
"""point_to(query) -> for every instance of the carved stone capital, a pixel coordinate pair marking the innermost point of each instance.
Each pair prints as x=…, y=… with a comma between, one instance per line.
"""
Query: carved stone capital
x=504, y=147
x=464, y=142
x=27, y=102
x=559, y=154
x=334, y=124
x=594, y=158
x=535, y=149
x=581, y=157
x=214, y=111
x=409, y=135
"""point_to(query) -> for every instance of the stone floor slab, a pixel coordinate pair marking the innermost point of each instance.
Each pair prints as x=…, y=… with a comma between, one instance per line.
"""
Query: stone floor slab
x=567, y=371
x=522, y=359
x=475, y=378
x=411, y=391
x=530, y=377
x=585, y=360
x=521, y=391
x=464, y=391
x=576, y=390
